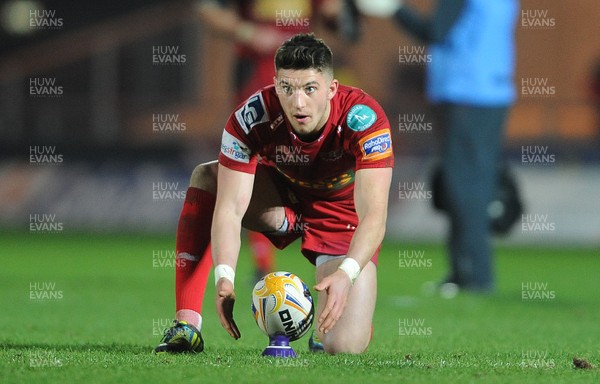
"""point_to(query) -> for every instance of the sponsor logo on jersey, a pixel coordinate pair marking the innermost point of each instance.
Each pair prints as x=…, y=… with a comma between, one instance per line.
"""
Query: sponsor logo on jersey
x=234, y=148
x=329, y=183
x=334, y=155
x=377, y=145
x=252, y=113
x=277, y=122
x=360, y=117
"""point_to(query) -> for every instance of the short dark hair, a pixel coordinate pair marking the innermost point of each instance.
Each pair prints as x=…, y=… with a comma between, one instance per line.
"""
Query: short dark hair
x=304, y=51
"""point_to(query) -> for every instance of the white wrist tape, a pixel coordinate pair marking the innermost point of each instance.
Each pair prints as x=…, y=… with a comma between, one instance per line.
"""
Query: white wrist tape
x=224, y=271
x=351, y=267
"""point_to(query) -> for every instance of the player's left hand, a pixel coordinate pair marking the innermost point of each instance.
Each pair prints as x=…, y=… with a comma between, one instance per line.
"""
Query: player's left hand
x=337, y=285
x=225, y=302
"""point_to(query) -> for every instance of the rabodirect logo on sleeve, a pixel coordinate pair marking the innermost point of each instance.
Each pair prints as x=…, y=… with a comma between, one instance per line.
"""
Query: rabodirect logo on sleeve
x=377, y=145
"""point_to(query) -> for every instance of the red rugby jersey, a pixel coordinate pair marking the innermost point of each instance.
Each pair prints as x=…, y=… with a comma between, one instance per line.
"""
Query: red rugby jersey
x=357, y=135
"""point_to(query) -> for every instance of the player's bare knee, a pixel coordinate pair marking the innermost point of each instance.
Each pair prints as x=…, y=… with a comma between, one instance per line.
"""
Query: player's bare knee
x=345, y=346
x=345, y=343
x=204, y=177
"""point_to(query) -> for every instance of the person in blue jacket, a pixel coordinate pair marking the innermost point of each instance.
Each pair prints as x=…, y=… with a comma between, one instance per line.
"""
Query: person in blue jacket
x=469, y=80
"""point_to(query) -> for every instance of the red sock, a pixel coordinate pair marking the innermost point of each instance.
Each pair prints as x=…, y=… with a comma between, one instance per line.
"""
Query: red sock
x=193, y=238
x=263, y=251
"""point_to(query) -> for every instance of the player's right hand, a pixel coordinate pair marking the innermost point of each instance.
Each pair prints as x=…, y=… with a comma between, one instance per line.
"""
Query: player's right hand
x=337, y=285
x=225, y=302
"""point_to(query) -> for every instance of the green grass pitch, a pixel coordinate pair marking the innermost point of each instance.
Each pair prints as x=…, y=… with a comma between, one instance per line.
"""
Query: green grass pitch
x=90, y=308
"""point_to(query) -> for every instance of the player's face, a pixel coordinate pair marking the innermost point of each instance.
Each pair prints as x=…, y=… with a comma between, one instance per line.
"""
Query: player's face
x=304, y=95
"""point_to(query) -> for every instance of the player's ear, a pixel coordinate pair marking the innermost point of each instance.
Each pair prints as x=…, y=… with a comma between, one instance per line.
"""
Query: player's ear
x=333, y=87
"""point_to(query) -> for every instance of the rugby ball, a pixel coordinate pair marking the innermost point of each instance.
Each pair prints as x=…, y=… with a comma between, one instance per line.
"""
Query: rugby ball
x=282, y=305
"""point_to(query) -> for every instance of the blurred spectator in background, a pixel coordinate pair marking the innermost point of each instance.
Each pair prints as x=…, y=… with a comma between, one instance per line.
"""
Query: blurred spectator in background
x=258, y=28
x=470, y=82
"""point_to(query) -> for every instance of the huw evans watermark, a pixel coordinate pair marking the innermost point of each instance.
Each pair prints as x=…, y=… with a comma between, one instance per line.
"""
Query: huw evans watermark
x=290, y=155
x=288, y=363
x=44, y=359
x=166, y=190
x=537, y=223
x=536, y=359
x=44, y=155
x=537, y=155
x=413, y=327
x=293, y=224
x=44, y=223
x=537, y=87
x=414, y=123
x=166, y=258
x=537, y=19
x=536, y=290
x=159, y=325
x=291, y=18
x=167, y=123
x=413, y=191
x=45, y=87
x=44, y=291
x=167, y=55
x=413, y=259
x=413, y=55
x=45, y=19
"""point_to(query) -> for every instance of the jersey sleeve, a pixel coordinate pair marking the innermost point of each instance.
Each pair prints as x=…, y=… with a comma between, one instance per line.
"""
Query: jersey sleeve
x=370, y=134
x=239, y=142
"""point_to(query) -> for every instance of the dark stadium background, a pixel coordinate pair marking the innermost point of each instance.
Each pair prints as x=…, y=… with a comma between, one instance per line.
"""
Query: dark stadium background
x=94, y=165
x=114, y=160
